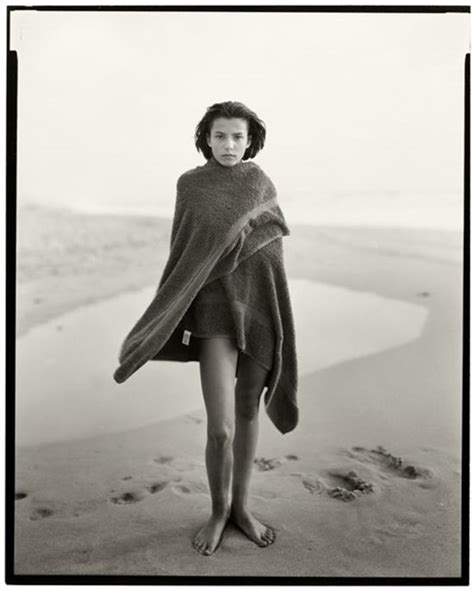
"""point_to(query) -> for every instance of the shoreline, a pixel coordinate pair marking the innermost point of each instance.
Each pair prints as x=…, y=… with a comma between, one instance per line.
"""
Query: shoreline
x=347, y=325
x=78, y=259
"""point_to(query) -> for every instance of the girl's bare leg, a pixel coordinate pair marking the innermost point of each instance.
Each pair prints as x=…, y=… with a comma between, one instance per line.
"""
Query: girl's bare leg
x=251, y=380
x=218, y=362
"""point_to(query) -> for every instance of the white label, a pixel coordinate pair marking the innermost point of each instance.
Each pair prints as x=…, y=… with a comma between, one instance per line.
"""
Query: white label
x=186, y=337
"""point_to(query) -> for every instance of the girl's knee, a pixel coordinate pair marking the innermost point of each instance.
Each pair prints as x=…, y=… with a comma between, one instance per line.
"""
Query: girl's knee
x=247, y=403
x=247, y=412
x=220, y=435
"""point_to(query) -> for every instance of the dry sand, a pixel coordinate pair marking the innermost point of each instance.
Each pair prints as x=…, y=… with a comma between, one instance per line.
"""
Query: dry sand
x=129, y=501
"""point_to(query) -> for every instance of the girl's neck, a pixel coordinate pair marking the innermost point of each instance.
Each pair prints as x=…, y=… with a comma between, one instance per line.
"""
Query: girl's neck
x=214, y=164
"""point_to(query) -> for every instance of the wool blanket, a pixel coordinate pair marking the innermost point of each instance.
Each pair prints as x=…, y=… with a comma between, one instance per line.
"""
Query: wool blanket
x=223, y=216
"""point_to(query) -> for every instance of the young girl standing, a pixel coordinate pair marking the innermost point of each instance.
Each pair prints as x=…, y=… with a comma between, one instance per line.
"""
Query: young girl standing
x=231, y=311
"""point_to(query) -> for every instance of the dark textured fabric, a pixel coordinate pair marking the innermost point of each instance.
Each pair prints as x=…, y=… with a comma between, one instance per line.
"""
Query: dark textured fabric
x=210, y=315
x=227, y=226
x=222, y=308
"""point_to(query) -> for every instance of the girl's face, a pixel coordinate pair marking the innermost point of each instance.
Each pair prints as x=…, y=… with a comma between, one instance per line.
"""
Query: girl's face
x=228, y=140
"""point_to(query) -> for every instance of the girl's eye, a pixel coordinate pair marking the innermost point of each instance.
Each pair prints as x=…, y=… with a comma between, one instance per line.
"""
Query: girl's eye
x=238, y=137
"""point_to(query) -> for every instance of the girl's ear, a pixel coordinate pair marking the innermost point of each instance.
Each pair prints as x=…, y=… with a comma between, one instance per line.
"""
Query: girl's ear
x=249, y=141
x=208, y=139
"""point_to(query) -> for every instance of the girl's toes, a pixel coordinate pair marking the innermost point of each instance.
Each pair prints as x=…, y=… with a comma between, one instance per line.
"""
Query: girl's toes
x=269, y=535
x=199, y=545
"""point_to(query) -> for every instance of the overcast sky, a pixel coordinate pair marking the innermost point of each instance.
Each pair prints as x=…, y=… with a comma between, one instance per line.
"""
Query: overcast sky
x=108, y=102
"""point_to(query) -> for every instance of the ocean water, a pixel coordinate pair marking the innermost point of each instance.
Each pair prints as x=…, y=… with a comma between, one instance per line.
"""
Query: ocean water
x=384, y=209
x=65, y=388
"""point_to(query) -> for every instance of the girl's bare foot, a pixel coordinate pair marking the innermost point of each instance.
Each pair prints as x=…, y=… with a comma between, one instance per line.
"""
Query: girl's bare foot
x=208, y=538
x=258, y=532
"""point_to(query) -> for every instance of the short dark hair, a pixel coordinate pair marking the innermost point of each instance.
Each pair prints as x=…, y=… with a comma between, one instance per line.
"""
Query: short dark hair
x=229, y=110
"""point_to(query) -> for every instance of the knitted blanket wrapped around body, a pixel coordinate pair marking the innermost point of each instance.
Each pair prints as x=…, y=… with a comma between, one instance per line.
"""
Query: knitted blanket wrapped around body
x=223, y=215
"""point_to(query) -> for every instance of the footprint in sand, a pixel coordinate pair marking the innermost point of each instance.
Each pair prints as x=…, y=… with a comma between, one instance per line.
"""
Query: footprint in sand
x=41, y=513
x=348, y=486
x=178, y=464
x=156, y=487
x=313, y=484
x=264, y=464
x=163, y=460
x=136, y=495
x=191, y=487
x=391, y=462
x=127, y=498
x=20, y=495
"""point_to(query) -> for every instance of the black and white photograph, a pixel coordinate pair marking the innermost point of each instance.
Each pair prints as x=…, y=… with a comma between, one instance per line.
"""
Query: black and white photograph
x=239, y=282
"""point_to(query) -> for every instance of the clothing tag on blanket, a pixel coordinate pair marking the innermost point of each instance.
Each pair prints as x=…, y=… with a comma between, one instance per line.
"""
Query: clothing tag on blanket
x=186, y=337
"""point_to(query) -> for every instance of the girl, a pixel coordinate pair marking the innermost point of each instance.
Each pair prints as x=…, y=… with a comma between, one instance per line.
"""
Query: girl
x=226, y=133
x=231, y=300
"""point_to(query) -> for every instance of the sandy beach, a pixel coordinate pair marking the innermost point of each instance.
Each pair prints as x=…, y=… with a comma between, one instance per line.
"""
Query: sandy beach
x=110, y=479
